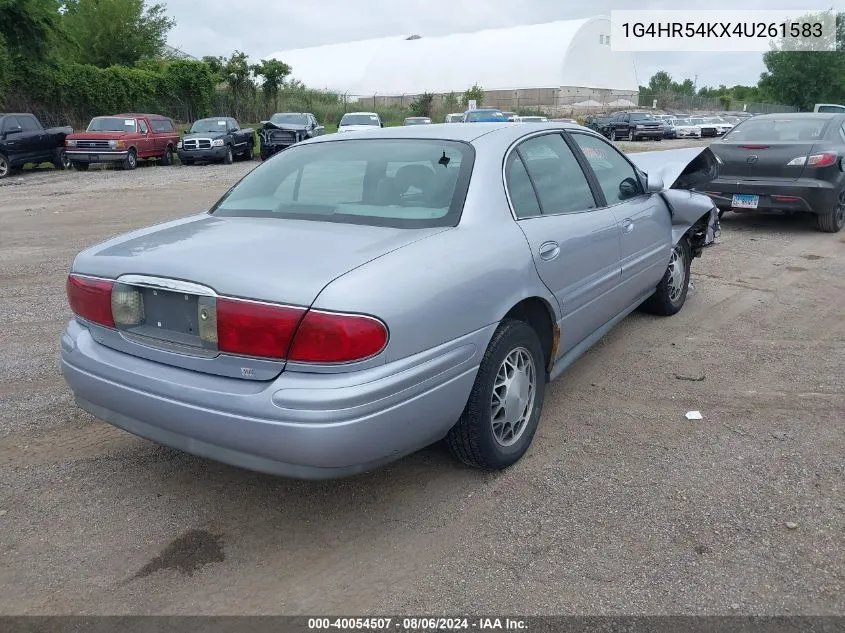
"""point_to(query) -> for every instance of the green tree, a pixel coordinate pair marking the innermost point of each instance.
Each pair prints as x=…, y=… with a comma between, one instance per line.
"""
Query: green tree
x=115, y=32
x=423, y=105
x=236, y=73
x=686, y=87
x=803, y=78
x=661, y=81
x=273, y=72
x=450, y=102
x=475, y=93
x=30, y=30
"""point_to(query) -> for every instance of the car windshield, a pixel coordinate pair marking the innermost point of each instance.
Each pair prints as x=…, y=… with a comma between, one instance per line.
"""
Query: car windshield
x=111, y=124
x=485, y=116
x=696, y=121
x=679, y=122
x=779, y=129
x=359, y=119
x=641, y=116
x=378, y=182
x=831, y=108
x=288, y=119
x=209, y=125
x=417, y=121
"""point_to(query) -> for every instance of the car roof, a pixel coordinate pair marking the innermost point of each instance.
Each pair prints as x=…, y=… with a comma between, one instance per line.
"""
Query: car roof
x=275, y=113
x=462, y=132
x=145, y=116
x=367, y=113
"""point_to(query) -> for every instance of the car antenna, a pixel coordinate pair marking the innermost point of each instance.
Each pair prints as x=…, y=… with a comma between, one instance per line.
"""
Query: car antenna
x=444, y=160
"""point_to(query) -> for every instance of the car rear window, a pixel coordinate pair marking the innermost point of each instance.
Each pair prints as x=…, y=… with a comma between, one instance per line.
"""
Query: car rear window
x=161, y=125
x=406, y=183
x=779, y=129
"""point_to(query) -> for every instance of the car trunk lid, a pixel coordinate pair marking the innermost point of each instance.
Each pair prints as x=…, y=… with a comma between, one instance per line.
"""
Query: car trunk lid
x=178, y=271
x=760, y=160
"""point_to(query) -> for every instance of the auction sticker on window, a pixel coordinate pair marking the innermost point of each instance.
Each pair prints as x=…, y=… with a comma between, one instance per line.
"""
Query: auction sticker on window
x=716, y=31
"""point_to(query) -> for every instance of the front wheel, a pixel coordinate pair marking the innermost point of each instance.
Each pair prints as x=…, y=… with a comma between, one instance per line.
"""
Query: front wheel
x=228, y=159
x=833, y=220
x=504, y=406
x=131, y=160
x=671, y=292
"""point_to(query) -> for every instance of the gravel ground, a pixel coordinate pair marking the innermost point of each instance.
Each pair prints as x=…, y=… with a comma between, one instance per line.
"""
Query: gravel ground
x=621, y=506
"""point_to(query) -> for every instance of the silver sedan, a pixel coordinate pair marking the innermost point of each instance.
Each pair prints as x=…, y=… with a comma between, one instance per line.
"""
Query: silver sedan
x=359, y=297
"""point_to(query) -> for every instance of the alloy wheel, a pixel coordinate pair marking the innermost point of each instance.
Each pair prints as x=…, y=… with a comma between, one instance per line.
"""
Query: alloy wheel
x=677, y=274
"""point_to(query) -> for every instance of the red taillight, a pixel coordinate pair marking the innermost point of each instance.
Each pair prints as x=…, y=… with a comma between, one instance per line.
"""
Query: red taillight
x=90, y=299
x=255, y=329
x=786, y=198
x=326, y=337
x=754, y=146
x=821, y=160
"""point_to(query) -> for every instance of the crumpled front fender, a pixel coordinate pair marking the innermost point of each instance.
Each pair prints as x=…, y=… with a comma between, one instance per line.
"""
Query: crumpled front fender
x=684, y=171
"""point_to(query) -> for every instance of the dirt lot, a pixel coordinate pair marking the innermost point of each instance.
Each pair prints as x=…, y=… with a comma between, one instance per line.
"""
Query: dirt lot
x=621, y=506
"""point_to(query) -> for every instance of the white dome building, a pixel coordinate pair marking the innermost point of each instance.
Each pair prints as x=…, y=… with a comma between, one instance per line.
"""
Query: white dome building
x=553, y=65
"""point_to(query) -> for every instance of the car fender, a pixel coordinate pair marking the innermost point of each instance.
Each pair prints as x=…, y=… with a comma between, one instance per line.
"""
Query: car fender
x=683, y=172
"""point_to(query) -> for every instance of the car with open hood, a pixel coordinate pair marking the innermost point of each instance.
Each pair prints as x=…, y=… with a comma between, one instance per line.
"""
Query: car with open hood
x=216, y=139
x=285, y=129
x=784, y=163
x=361, y=296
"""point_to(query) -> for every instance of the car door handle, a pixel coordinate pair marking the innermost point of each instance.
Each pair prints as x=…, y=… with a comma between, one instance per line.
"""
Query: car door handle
x=627, y=225
x=549, y=250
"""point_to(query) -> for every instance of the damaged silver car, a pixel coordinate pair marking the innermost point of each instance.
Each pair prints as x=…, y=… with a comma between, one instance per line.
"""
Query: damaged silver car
x=362, y=296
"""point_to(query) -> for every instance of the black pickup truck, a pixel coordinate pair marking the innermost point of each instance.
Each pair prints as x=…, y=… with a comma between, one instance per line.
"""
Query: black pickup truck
x=24, y=140
x=285, y=129
x=217, y=139
x=632, y=126
x=599, y=123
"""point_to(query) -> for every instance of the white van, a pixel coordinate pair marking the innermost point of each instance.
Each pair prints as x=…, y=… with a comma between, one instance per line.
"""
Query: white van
x=829, y=107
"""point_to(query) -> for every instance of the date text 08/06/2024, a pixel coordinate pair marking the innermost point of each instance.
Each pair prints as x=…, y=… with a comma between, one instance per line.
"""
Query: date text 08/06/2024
x=417, y=624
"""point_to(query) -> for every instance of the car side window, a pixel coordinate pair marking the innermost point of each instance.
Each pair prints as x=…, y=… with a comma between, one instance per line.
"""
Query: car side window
x=617, y=178
x=521, y=191
x=28, y=124
x=842, y=131
x=143, y=126
x=559, y=180
x=9, y=123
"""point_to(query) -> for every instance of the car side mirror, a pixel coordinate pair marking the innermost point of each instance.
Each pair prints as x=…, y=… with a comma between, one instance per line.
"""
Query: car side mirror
x=654, y=183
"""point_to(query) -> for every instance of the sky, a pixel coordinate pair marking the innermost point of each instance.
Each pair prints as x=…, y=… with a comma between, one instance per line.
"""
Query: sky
x=262, y=27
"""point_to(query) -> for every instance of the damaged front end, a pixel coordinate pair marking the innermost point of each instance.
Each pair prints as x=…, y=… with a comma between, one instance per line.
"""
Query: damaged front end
x=684, y=172
x=275, y=138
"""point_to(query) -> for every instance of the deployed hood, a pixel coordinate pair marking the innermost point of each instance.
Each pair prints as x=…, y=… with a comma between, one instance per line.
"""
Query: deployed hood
x=687, y=168
x=269, y=125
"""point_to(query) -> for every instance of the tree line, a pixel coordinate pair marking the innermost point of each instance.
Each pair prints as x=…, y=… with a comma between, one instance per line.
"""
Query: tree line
x=796, y=78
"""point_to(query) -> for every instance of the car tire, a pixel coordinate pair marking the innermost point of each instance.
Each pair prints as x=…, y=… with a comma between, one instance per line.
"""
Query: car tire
x=81, y=166
x=249, y=153
x=5, y=166
x=630, y=135
x=671, y=293
x=131, y=160
x=229, y=158
x=833, y=220
x=167, y=158
x=61, y=160
x=481, y=440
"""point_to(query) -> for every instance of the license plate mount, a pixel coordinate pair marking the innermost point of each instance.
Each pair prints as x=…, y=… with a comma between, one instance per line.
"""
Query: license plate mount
x=744, y=201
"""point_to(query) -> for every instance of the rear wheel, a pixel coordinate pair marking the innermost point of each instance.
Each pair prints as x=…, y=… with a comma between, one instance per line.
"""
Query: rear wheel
x=630, y=135
x=5, y=167
x=249, y=154
x=504, y=406
x=61, y=161
x=834, y=220
x=671, y=292
x=167, y=159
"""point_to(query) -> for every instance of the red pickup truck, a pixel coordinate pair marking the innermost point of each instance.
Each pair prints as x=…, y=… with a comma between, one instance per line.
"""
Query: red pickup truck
x=123, y=139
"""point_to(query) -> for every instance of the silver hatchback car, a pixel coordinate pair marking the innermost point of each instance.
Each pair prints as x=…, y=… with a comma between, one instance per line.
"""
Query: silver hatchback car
x=359, y=297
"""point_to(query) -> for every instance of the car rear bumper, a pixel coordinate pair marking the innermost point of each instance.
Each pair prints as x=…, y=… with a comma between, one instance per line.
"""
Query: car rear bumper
x=807, y=195
x=310, y=426
x=86, y=156
x=215, y=153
